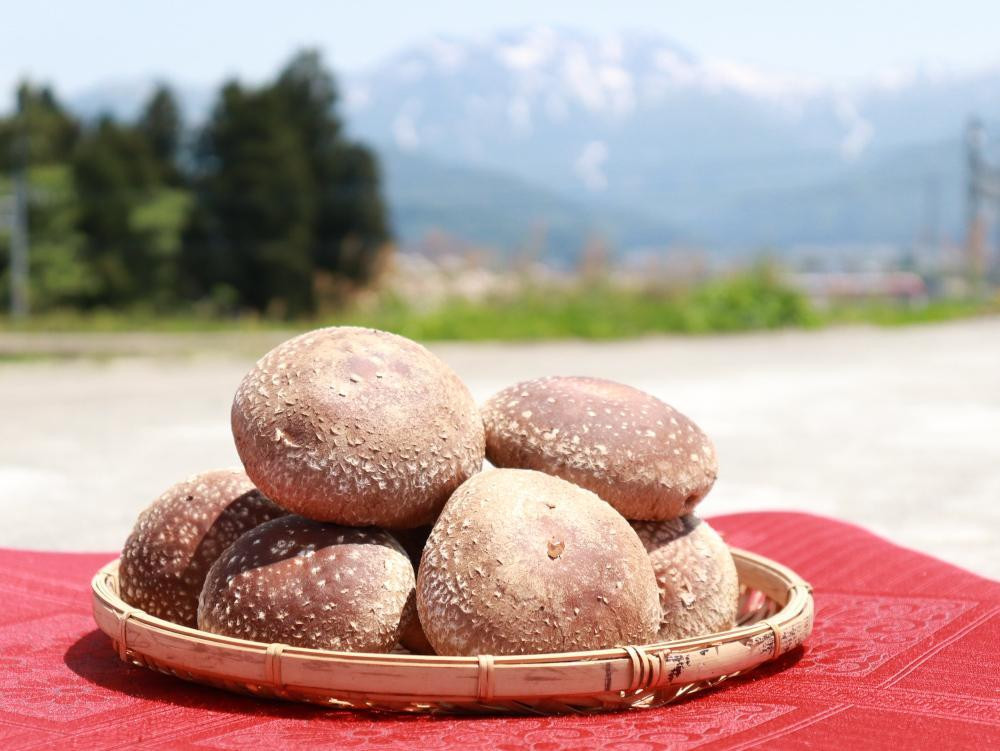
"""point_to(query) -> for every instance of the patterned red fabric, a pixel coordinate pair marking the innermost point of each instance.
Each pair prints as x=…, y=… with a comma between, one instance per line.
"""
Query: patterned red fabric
x=904, y=656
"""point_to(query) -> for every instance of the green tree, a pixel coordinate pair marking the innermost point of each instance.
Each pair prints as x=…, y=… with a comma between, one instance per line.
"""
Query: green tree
x=39, y=138
x=114, y=172
x=353, y=226
x=39, y=132
x=130, y=218
x=160, y=124
x=282, y=196
x=351, y=218
x=254, y=207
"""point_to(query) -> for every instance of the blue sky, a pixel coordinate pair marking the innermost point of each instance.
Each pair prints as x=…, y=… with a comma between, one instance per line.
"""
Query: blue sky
x=76, y=45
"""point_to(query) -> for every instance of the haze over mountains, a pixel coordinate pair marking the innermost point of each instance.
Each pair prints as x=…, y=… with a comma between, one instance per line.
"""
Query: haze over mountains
x=556, y=133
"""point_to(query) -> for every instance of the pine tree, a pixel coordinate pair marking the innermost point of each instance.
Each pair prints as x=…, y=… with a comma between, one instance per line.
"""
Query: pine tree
x=39, y=137
x=281, y=195
x=160, y=124
x=114, y=173
x=251, y=227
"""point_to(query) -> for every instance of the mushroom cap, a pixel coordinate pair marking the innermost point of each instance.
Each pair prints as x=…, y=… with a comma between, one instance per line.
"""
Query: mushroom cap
x=413, y=638
x=413, y=541
x=636, y=452
x=307, y=584
x=181, y=534
x=521, y=562
x=358, y=427
x=698, y=581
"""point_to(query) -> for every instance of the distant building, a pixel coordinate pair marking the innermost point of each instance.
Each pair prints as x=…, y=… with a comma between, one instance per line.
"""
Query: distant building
x=826, y=288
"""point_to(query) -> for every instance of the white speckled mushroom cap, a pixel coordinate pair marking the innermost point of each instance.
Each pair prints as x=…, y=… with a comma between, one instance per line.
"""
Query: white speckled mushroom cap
x=358, y=427
x=176, y=540
x=521, y=562
x=636, y=452
x=699, y=585
x=308, y=584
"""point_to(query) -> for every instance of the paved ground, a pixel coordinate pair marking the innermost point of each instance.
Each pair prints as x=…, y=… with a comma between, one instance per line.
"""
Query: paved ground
x=895, y=429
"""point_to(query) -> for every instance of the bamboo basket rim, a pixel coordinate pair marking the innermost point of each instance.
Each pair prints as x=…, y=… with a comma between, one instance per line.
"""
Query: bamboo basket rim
x=141, y=638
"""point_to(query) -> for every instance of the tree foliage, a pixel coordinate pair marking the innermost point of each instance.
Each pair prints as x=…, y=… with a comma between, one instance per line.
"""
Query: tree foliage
x=114, y=173
x=40, y=132
x=282, y=196
x=38, y=143
x=254, y=209
x=161, y=126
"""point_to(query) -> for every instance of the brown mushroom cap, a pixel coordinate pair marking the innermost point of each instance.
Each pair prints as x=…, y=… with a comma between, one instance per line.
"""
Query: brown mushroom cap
x=699, y=585
x=521, y=562
x=308, y=584
x=176, y=540
x=636, y=452
x=414, y=639
x=413, y=541
x=357, y=426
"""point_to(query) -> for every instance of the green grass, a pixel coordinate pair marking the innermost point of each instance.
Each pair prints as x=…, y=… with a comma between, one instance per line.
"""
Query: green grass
x=750, y=301
x=886, y=314
x=599, y=312
x=125, y=321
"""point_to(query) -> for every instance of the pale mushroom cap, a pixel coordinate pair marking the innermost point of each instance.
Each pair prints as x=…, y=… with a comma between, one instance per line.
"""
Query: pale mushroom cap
x=357, y=426
x=636, y=452
x=521, y=562
x=178, y=537
x=699, y=585
x=307, y=584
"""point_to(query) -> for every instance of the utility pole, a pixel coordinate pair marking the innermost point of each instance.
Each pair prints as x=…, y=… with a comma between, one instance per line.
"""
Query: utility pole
x=19, y=248
x=977, y=187
x=19, y=305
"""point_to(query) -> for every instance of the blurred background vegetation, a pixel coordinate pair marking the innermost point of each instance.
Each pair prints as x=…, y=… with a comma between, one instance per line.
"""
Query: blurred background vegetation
x=253, y=211
x=267, y=212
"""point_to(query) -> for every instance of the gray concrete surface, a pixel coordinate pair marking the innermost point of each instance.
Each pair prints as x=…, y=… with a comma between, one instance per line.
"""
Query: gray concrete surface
x=897, y=430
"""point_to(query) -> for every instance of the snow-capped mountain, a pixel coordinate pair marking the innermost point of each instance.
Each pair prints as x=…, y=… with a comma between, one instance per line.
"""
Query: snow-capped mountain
x=719, y=151
x=553, y=105
x=632, y=134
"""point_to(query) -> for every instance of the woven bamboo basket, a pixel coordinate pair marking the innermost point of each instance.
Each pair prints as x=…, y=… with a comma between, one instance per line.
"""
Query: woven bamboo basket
x=776, y=615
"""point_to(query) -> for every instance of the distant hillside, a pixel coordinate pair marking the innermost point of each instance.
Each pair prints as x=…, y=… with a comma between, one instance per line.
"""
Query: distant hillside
x=504, y=213
x=907, y=196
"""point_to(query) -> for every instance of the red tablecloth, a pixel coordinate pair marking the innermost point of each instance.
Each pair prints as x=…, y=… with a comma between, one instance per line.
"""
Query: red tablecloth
x=905, y=655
